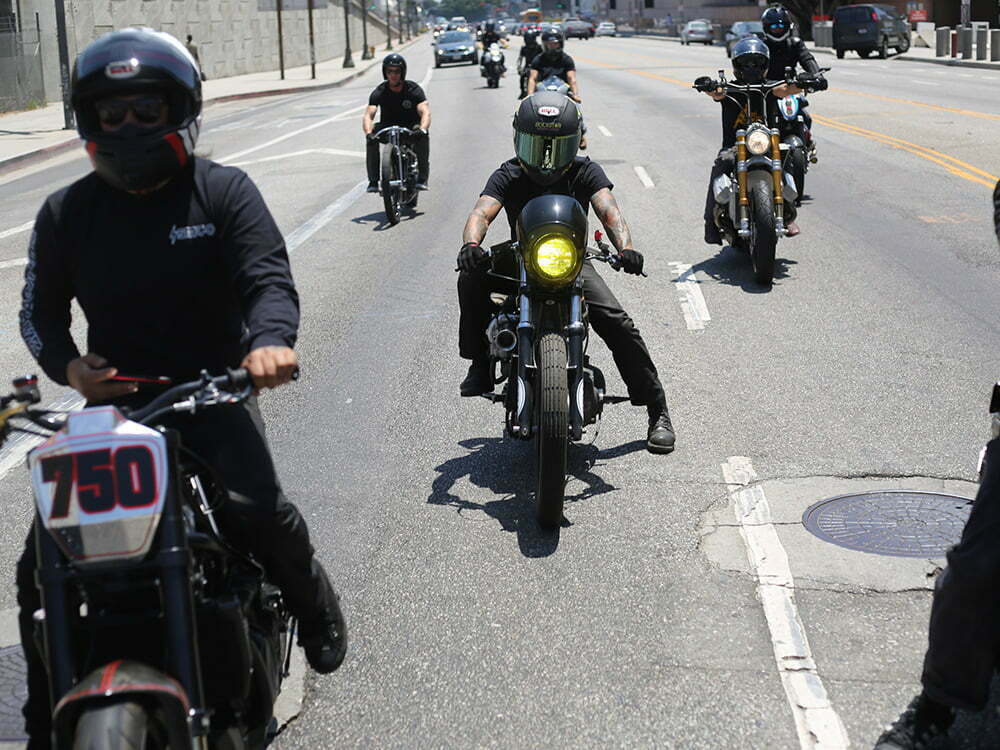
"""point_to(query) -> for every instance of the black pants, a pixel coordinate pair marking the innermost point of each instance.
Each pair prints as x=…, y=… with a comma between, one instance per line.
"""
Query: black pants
x=607, y=317
x=258, y=518
x=964, y=638
x=421, y=145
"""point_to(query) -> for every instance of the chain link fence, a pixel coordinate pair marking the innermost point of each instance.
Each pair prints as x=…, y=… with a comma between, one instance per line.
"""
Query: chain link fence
x=22, y=83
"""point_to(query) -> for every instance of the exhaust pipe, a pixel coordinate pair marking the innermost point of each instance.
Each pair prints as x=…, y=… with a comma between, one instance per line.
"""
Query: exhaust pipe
x=506, y=340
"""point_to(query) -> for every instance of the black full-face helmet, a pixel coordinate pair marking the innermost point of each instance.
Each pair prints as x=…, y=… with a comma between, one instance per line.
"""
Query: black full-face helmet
x=751, y=58
x=489, y=27
x=551, y=36
x=546, y=135
x=134, y=61
x=393, y=60
x=777, y=23
x=530, y=37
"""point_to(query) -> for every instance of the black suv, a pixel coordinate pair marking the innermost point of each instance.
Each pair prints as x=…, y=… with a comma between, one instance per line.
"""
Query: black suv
x=870, y=28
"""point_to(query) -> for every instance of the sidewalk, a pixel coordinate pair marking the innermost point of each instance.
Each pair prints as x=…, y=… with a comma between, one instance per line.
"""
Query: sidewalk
x=34, y=135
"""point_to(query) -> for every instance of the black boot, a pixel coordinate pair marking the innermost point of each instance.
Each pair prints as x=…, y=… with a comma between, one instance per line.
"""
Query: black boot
x=660, y=438
x=712, y=236
x=325, y=641
x=922, y=721
x=479, y=380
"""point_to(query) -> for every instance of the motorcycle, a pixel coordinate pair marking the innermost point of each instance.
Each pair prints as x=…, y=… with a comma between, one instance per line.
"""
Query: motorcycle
x=538, y=338
x=152, y=626
x=491, y=66
x=793, y=131
x=398, y=185
x=752, y=217
x=553, y=83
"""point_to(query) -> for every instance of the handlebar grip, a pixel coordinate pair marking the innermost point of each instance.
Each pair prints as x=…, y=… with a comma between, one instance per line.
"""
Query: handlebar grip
x=239, y=378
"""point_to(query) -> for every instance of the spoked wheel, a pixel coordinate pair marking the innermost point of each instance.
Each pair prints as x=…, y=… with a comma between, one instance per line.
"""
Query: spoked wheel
x=390, y=194
x=763, y=237
x=553, y=429
x=119, y=726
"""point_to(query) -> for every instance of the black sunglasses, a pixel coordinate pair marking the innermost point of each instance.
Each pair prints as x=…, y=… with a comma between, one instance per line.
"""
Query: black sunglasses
x=147, y=109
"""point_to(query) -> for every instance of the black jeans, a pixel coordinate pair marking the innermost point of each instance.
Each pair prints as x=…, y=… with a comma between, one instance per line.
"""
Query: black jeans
x=258, y=518
x=964, y=638
x=607, y=317
x=421, y=145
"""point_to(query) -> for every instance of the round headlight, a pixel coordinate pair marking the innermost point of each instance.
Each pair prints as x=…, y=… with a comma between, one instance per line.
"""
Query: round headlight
x=555, y=259
x=758, y=142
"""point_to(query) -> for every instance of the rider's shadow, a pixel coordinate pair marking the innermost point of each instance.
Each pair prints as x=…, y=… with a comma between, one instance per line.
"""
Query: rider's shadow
x=733, y=267
x=506, y=468
x=975, y=731
x=380, y=222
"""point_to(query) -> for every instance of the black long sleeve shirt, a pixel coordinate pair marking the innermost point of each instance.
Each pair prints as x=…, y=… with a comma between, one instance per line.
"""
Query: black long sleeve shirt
x=188, y=277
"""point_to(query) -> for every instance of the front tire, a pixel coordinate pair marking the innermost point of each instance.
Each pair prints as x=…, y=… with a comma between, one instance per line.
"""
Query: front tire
x=553, y=429
x=390, y=195
x=122, y=725
x=763, y=238
x=797, y=167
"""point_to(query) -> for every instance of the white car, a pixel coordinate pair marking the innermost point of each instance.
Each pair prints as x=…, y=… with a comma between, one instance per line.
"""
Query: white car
x=606, y=28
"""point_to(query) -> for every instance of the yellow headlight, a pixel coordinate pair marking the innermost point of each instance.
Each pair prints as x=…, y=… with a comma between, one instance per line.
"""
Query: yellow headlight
x=556, y=258
x=758, y=142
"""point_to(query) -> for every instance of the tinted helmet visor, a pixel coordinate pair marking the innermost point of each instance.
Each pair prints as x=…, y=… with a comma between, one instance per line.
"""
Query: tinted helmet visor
x=544, y=153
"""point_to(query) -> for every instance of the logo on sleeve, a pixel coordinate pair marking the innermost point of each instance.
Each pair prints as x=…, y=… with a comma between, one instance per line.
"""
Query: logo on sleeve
x=193, y=232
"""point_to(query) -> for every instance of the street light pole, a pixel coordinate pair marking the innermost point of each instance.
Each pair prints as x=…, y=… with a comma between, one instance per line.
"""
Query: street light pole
x=64, y=63
x=312, y=44
x=388, y=26
x=348, y=57
x=366, y=53
x=281, y=42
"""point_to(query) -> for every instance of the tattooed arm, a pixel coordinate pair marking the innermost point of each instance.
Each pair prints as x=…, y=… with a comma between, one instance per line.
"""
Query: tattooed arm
x=483, y=213
x=606, y=208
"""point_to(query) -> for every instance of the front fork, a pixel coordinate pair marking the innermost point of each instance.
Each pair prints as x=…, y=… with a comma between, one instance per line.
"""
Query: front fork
x=743, y=208
x=525, y=361
x=575, y=333
x=777, y=176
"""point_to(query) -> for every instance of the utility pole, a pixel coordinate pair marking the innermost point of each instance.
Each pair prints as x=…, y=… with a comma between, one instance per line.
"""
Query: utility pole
x=348, y=56
x=388, y=26
x=281, y=41
x=966, y=20
x=312, y=44
x=366, y=53
x=64, y=63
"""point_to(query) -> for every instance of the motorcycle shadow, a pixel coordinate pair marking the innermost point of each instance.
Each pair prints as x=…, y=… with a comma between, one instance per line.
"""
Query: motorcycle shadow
x=731, y=266
x=487, y=464
x=380, y=222
x=974, y=730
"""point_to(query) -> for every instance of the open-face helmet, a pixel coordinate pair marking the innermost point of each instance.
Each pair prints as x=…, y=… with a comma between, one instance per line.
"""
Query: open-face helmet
x=393, y=60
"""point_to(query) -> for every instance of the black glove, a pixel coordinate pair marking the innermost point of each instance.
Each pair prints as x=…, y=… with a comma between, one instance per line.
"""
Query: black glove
x=631, y=261
x=419, y=132
x=371, y=136
x=471, y=257
x=820, y=84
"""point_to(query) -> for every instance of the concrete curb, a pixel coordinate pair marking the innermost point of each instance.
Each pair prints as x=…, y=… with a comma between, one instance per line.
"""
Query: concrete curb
x=930, y=60
x=28, y=158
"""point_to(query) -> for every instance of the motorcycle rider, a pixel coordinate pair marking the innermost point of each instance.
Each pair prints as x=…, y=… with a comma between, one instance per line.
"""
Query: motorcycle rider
x=178, y=266
x=491, y=36
x=788, y=51
x=402, y=103
x=529, y=52
x=554, y=62
x=546, y=161
x=750, y=62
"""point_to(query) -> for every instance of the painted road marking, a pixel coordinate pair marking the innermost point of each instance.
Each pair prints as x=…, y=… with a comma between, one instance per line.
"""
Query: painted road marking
x=17, y=230
x=644, y=177
x=14, y=263
x=927, y=83
x=692, y=301
x=324, y=217
x=15, y=449
x=604, y=130
x=293, y=154
x=816, y=721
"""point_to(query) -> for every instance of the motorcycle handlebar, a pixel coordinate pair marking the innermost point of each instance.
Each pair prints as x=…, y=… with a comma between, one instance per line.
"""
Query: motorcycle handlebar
x=237, y=382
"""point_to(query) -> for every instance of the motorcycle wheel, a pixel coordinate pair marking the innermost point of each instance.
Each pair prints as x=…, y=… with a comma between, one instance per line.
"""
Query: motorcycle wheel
x=553, y=429
x=797, y=166
x=390, y=195
x=763, y=238
x=123, y=725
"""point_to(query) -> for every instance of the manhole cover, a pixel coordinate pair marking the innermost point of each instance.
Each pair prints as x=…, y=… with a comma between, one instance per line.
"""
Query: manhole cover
x=890, y=522
x=13, y=691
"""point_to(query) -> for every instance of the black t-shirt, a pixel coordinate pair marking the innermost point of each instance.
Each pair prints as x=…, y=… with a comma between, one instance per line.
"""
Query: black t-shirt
x=398, y=108
x=191, y=276
x=789, y=53
x=513, y=188
x=530, y=51
x=556, y=66
x=733, y=116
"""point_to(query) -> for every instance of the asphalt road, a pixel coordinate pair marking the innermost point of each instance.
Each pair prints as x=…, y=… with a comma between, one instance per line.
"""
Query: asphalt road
x=868, y=363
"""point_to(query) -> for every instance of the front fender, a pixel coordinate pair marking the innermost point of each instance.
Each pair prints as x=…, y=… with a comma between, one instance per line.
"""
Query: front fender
x=122, y=679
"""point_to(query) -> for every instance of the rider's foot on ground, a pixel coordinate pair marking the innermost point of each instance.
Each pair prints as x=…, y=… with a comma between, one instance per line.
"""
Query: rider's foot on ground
x=712, y=236
x=479, y=379
x=325, y=642
x=422, y=185
x=660, y=438
x=922, y=721
x=793, y=229
x=372, y=187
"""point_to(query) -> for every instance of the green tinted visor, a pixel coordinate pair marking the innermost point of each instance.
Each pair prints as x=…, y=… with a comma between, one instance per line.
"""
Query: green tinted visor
x=546, y=153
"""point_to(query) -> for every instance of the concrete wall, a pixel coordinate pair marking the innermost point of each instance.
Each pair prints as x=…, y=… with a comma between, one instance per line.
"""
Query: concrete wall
x=233, y=36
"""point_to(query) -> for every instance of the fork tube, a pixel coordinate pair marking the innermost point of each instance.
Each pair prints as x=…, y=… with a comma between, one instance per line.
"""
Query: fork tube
x=742, y=220
x=574, y=332
x=50, y=577
x=525, y=359
x=776, y=174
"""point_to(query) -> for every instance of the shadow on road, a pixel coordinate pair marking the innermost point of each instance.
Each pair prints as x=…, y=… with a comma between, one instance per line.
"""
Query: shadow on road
x=507, y=469
x=730, y=266
x=975, y=731
x=378, y=219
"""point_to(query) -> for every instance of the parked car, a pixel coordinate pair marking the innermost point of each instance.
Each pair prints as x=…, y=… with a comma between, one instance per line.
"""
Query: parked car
x=697, y=31
x=455, y=47
x=870, y=28
x=577, y=28
x=739, y=30
x=606, y=28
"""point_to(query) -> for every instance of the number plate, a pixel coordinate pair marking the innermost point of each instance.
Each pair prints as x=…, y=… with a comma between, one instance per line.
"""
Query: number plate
x=100, y=484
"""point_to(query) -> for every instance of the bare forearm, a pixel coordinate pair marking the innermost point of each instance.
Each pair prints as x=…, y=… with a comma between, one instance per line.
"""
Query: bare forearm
x=606, y=208
x=476, y=227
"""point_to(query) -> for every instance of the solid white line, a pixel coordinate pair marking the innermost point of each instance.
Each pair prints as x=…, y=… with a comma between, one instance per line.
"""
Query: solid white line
x=816, y=721
x=644, y=177
x=692, y=301
x=293, y=154
x=17, y=230
x=324, y=217
x=14, y=263
x=604, y=130
x=927, y=83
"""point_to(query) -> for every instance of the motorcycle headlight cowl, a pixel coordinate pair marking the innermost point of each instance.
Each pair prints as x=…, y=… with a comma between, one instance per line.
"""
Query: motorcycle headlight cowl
x=553, y=260
x=758, y=141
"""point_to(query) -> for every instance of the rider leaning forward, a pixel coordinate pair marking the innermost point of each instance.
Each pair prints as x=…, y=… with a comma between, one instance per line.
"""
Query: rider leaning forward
x=178, y=266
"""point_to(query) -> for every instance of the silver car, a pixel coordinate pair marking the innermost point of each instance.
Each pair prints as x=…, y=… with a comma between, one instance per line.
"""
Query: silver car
x=697, y=31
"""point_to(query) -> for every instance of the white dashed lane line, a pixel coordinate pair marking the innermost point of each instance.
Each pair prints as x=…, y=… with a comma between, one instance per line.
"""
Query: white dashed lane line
x=927, y=83
x=644, y=177
x=604, y=130
x=692, y=301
